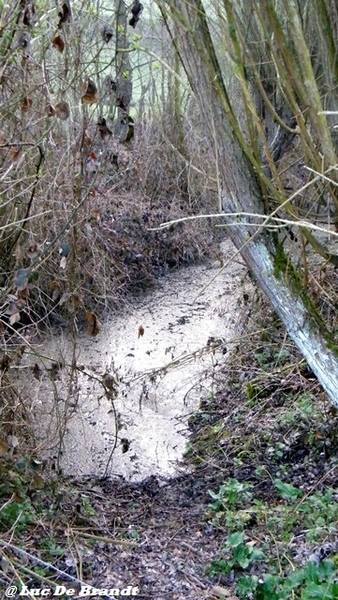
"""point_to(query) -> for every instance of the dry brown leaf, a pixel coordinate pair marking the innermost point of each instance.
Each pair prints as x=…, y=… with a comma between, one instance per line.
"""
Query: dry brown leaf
x=77, y=300
x=54, y=371
x=6, y=359
x=109, y=381
x=37, y=482
x=87, y=140
x=125, y=443
x=222, y=592
x=12, y=308
x=103, y=128
x=94, y=325
x=107, y=33
x=63, y=262
x=62, y=110
x=89, y=93
x=65, y=14
x=51, y=111
x=2, y=138
x=95, y=215
x=4, y=447
x=140, y=331
x=33, y=250
x=13, y=441
x=26, y=104
x=22, y=295
x=36, y=372
x=13, y=311
x=65, y=298
x=14, y=318
x=58, y=42
x=15, y=153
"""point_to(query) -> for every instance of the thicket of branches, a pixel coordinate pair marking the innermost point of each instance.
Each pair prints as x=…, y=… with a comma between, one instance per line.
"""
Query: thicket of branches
x=94, y=151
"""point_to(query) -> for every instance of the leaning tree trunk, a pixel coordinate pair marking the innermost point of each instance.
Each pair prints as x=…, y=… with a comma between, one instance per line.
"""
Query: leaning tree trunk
x=241, y=193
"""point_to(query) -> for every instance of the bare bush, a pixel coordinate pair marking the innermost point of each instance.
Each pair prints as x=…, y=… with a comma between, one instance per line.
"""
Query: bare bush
x=86, y=172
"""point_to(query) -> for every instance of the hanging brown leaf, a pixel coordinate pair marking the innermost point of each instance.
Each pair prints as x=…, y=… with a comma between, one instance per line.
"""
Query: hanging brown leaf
x=87, y=140
x=77, y=300
x=107, y=33
x=89, y=93
x=36, y=371
x=109, y=381
x=140, y=331
x=58, y=42
x=22, y=295
x=51, y=112
x=121, y=103
x=103, y=128
x=26, y=104
x=15, y=153
x=62, y=110
x=2, y=138
x=65, y=14
x=94, y=325
x=136, y=10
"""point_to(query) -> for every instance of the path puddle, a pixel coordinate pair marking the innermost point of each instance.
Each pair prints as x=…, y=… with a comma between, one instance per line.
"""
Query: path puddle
x=162, y=376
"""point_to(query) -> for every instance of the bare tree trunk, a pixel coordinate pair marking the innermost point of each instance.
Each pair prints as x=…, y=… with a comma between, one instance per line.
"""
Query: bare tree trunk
x=241, y=193
x=124, y=85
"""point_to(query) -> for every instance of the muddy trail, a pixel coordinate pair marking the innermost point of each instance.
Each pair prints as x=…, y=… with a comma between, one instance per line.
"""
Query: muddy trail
x=158, y=359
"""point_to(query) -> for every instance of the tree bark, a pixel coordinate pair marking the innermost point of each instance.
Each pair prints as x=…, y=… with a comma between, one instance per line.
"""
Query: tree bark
x=242, y=193
x=124, y=84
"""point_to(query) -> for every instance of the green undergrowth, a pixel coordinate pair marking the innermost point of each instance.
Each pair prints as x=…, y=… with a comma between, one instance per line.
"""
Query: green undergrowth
x=262, y=538
x=272, y=438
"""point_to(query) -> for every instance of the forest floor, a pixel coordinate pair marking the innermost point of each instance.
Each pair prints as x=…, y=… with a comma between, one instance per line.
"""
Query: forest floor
x=254, y=498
